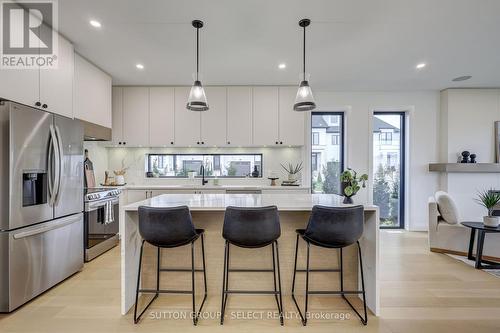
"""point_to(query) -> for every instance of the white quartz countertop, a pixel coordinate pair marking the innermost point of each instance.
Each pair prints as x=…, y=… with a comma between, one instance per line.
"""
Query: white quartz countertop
x=219, y=202
x=210, y=187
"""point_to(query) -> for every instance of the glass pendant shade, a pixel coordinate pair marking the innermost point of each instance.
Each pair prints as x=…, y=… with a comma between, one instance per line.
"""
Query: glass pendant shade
x=304, y=101
x=197, y=100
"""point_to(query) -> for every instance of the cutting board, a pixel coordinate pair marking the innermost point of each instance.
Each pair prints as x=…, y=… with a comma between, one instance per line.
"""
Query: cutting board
x=89, y=174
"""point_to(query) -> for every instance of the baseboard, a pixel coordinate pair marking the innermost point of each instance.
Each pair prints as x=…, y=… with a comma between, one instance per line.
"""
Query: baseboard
x=463, y=254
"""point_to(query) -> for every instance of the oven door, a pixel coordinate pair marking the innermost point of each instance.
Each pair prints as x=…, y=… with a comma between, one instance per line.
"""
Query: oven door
x=101, y=221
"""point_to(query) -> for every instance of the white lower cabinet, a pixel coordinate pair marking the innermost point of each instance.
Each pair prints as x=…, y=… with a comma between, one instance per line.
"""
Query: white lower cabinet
x=136, y=195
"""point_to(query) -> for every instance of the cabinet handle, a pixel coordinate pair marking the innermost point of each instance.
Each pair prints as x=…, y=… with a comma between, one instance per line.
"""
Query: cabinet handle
x=44, y=106
x=202, y=143
x=38, y=104
x=124, y=143
x=229, y=142
x=198, y=143
x=276, y=142
x=281, y=142
x=171, y=142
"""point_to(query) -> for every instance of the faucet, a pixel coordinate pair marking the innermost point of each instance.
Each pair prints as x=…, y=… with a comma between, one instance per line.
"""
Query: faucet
x=202, y=171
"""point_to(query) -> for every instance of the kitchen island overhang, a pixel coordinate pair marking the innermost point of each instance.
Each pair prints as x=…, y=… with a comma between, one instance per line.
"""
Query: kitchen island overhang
x=208, y=213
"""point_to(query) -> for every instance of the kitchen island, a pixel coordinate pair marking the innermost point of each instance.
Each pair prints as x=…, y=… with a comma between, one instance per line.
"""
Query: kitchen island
x=208, y=213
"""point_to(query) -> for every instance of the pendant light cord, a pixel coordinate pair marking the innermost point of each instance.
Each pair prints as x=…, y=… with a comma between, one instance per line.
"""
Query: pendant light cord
x=304, y=55
x=197, y=52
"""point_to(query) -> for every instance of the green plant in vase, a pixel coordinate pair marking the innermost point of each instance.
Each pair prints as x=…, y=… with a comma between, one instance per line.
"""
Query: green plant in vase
x=351, y=184
x=489, y=199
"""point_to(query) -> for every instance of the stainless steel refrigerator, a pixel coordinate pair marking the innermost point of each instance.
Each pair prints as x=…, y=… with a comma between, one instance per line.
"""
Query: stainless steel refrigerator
x=41, y=202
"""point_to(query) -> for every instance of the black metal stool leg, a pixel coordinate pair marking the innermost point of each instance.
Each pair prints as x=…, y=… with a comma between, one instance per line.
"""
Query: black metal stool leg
x=364, y=319
x=341, y=261
x=302, y=318
x=307, y=284
x=224, y=274
x=280, y=306
x=137, y=317
x=194, y=314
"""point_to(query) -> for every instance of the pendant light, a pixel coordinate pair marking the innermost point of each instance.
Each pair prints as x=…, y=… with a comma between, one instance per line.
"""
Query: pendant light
x=304, y=101
x=197, y=100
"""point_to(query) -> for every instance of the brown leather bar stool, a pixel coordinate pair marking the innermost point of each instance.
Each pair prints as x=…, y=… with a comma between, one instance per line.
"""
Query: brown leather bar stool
x=169, y=228
x=252, y=228
x=334, y=228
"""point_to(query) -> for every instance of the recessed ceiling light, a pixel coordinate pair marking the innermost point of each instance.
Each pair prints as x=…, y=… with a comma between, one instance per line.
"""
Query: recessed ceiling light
x=421, y=65
x=95, y=24
x=282, y=66
x=462, y=78
x=139, y=66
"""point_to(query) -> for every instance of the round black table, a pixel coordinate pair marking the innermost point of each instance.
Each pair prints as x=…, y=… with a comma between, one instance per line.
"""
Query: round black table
x=481, y=232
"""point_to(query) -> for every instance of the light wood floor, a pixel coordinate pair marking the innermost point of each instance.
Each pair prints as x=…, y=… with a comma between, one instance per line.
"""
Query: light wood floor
x=421, y=292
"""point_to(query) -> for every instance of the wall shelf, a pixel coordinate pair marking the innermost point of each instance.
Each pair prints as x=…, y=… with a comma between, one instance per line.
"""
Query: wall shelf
x=465, y=167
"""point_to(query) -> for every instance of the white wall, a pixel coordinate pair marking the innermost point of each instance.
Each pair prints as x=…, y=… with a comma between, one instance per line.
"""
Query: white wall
x=423, y=114
x=467, y=123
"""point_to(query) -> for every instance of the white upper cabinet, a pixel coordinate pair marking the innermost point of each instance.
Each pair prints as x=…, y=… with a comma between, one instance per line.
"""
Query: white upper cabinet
x=56, y=85
x=239, y=116
x=117, y=103
x=213, y=121
x=136, y=116
x=187, y=123
x=291, y=123
x=161, y=116
x=47, y=89
x=92, y=93
x=265, y=116
x=20, y=85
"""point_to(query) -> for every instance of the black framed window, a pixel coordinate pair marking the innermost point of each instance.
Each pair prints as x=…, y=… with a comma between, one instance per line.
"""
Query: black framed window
x=216, y=165
x=388, y=167
x=327, y=160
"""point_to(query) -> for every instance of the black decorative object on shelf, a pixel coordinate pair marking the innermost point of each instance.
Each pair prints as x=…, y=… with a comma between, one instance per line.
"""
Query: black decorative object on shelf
x=472, y=158
x=255, y=172
x=465, y=157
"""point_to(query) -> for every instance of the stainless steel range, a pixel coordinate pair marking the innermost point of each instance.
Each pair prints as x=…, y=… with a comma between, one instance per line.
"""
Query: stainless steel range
x=101, y=220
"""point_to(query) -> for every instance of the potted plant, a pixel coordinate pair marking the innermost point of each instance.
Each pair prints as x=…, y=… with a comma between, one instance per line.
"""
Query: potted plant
x=351, y=184
x=292, y=171
x=489, y=199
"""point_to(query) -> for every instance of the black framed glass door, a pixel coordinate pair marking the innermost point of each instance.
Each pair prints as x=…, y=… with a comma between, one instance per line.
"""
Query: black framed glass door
x=388, y=167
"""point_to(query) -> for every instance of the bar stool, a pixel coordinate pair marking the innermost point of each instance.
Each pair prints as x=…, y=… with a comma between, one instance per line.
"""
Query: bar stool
x=252, y=228
x=336, y=228
x=169, y=228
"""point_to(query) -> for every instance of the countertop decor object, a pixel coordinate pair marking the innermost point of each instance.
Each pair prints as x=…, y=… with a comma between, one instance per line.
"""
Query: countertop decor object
x=292, y=171
x=489, y=199
x=350, y=184
x=273, y=180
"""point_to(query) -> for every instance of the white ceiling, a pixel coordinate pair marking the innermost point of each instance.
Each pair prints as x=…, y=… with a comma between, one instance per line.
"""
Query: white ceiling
x=352, y=44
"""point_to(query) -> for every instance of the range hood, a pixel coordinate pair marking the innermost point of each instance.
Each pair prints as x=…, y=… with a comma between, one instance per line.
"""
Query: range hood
x=94, y=132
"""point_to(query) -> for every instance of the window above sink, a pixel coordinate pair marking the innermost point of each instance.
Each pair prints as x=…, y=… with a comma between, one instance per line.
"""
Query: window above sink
x=216, y=165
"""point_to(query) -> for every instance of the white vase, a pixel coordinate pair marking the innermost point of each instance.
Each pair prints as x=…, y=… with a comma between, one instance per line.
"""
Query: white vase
x=491, y=221
x=120, y=180
x=292, y=177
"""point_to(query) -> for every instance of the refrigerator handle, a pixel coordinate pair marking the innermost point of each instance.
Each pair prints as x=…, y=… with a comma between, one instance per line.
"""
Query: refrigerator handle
x=53, y=178
x=59, y=162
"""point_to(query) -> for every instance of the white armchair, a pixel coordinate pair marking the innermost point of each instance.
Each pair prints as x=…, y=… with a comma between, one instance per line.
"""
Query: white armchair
x=450, y=237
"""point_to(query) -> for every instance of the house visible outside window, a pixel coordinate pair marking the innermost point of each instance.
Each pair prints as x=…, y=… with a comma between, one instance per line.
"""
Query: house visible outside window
x=315, y=138
x=327, y=158
x=385, y=138
x=335, y=139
